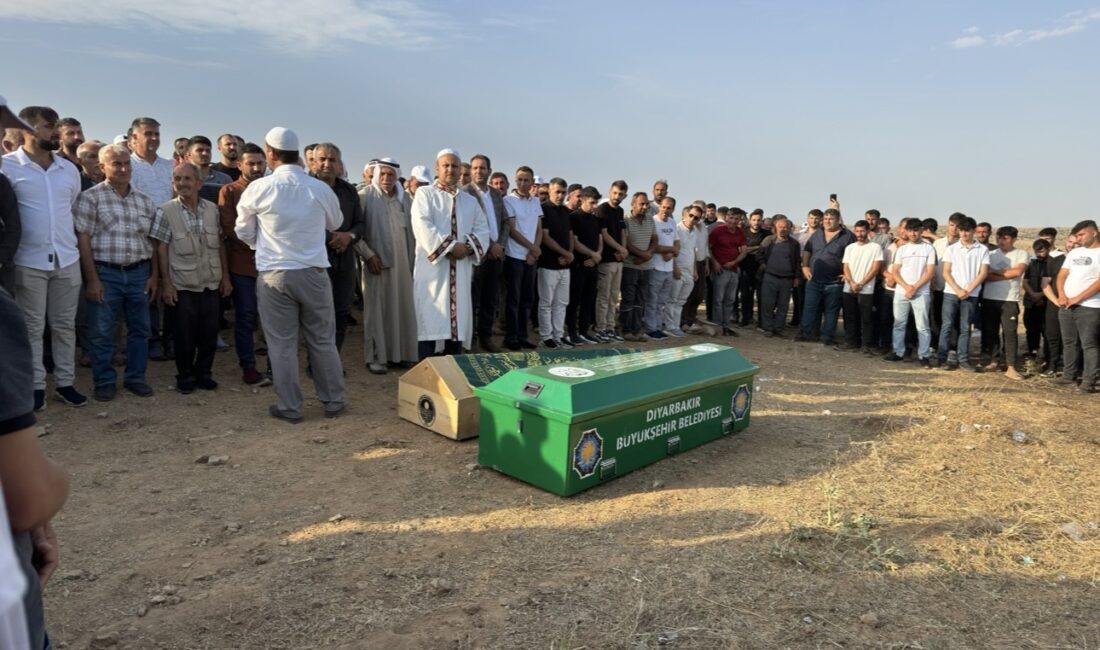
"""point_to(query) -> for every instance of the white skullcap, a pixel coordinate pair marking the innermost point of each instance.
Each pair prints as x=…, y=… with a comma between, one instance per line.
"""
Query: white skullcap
x=120, y=139
x=281, y=138
x=538, y=180
x=420, y=173
x=9, y=120
x=447, y=152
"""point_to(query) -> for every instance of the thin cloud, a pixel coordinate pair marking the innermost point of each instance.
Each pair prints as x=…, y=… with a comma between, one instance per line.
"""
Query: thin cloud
x=1072, y=23
x=963, y=42
x=317, y=25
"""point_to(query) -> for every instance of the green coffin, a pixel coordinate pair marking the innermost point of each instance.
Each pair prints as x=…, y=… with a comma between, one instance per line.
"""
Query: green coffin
x=566, y=428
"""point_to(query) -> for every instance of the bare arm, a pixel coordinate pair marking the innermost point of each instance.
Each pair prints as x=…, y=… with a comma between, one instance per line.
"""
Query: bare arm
x=35, y=487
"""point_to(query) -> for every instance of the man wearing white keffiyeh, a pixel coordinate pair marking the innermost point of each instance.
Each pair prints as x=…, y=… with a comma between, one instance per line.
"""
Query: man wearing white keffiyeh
x=389, y=312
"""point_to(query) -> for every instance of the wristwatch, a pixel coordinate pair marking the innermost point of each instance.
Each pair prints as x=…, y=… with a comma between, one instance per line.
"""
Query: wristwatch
x=469, y=249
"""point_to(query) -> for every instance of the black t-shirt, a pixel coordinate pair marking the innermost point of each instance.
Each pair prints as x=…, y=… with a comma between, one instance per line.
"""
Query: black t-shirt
x=586, y=228
x=1054, y=265
x=232, y=172
x=555, y=219
x=611, y=219
x=754, y=239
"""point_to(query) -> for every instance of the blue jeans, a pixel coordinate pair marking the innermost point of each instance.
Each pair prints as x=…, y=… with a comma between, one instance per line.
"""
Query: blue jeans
x=245, y=311
x=920, y=305
x=961, y=312
x=122, y=291
x=821, y=294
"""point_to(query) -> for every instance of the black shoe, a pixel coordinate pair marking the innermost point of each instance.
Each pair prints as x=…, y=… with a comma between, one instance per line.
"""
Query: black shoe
x=768, y=334
x=1086, y=390
x=1065, y=381
x=514, y=346
x=966, y=367
x=527, y=345
x=206, y=383
x=892, y=357
x=332, y=411
x=70, y=396
x=550, y=344
x=39, y=400
x=185, y=386
x=487, y=345
x=104, y=393
x=935, y=361
x=925, y=363
x=800, y=339
x=285, y=416
x=140, y=388
x=729, y=332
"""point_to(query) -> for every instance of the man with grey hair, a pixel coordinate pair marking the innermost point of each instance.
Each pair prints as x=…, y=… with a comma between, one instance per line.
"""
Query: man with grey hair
x=341, y=240
x=113, y=222
x=87, y=156
x=285, y=217
x=47, y=273
x=387, y=248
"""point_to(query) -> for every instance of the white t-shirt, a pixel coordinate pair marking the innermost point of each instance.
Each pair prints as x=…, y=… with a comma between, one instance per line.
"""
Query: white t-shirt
x=913, y=260
x=527, y=212
x=689, y=243
x=666, y=236
x=1007, y=290
x=940, y=246
x=860, y=258
x=966, y=264
x=1083, y=265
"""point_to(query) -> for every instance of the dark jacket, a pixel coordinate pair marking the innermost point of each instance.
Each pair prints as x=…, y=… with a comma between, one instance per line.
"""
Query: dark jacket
x=497, y=212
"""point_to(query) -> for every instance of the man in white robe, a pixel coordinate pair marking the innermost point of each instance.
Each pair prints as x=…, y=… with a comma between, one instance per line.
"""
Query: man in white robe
x=389, y=315
x=452, y=235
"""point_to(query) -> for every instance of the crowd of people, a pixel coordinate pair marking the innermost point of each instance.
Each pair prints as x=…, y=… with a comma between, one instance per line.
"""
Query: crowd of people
x=129, y=256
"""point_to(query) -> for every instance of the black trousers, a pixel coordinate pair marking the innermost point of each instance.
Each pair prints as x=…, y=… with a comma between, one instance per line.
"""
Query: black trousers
x=747, y=288
x=799, y=300
x=884, y=318
x=1035, y=318
x=343, y=277
x=1052, y=335
x=486, y=290
x=775, y=296
x=195, y=332
x=520, y=282
x=859, y=319
x=698, y=292
x=934, y=317
x=580, y=314
x=999, y=321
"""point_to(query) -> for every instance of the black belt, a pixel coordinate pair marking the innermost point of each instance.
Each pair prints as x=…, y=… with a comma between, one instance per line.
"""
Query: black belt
x=781, y=277
x=122, y=267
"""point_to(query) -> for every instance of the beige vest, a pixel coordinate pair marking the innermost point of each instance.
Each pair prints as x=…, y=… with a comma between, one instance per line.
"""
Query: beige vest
x=193, y=258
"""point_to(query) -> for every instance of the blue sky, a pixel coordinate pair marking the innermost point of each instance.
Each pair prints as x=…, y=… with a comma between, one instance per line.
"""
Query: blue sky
x=918, y=109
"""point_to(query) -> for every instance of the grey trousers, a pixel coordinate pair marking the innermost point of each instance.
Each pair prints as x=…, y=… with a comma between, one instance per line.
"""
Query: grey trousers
x=725, y=295
x=1081, y=324
x=293, y=299
x=50, y=296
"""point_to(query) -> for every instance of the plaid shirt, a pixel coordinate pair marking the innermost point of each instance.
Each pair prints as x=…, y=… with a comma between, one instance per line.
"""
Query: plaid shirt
x=161, y=231
x=118, y=226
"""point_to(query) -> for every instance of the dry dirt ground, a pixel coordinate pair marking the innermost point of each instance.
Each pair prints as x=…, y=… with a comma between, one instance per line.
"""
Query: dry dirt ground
x=868, y=505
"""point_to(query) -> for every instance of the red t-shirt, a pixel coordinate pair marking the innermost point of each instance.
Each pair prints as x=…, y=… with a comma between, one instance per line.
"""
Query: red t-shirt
x=725, y=245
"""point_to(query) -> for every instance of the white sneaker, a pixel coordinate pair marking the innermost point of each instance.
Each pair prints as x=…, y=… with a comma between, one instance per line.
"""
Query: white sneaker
x=677, y=332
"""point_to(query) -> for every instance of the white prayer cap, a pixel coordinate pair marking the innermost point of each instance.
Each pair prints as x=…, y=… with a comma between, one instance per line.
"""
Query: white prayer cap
x=420, y=173
x=388, y=162
x=9, y=120
x=538, y=180
x=120, y=139
x=281, y=138
x=447, y=152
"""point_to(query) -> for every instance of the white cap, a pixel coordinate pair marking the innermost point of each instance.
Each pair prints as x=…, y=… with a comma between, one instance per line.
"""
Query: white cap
x=538, y=180
x=420, y=173
x=388, y=162
x=9, y=120
x=281, y=138
x=119, y=139
x=447, y=152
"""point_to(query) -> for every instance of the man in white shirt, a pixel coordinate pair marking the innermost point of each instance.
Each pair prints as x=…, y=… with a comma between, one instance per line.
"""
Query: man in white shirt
x=488, y=273
x=520, y=258
x=913, y=267
x=684, y=273
x=284, y=217
x=965, y=266
x=47, y=268
x=1079, y=299
x=152, y=176
x=661, y=268
x=862, y=263
x=1001, y=302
